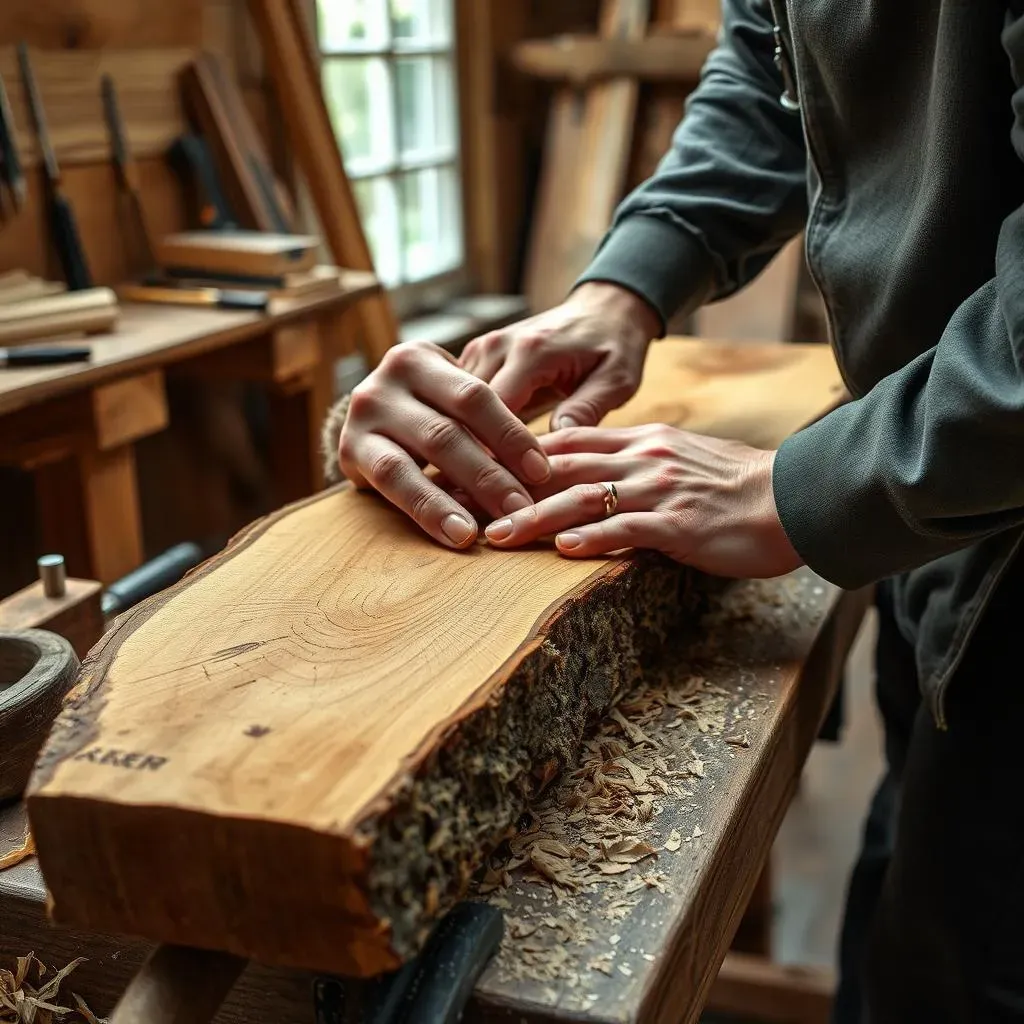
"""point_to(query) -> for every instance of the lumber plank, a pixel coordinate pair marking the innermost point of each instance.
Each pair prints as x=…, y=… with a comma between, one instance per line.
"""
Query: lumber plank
x=584, y=170
x=342, y=717
x=581, y=60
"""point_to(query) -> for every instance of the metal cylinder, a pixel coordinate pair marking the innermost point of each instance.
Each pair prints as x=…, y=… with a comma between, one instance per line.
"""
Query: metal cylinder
x=53, y=574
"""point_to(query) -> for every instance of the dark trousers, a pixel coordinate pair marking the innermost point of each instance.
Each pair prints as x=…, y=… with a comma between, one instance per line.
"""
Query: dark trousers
x=934, y=925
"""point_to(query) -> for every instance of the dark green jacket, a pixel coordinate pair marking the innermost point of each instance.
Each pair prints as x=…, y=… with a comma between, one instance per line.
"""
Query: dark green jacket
x=904, y=164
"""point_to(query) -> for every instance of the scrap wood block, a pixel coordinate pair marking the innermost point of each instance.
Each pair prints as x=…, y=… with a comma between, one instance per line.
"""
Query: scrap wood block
x=302, y=751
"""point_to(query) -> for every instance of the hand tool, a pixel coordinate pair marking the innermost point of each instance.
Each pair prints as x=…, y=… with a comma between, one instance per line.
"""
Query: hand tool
x=190, y=157
x=220, y=298
x=13, y=177
x=19, y=357
x=127, y=171
x=62, y=217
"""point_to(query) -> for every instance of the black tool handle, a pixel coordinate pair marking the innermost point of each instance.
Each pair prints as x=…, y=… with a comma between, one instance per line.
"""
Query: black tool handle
x=68, y=242
x=37, y=356
x=190, y=157
x=152, y=577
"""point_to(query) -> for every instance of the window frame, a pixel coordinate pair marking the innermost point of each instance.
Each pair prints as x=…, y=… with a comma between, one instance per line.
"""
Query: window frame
x=410, y=298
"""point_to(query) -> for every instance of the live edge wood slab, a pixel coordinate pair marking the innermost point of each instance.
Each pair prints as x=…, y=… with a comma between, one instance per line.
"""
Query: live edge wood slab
x=302, y=751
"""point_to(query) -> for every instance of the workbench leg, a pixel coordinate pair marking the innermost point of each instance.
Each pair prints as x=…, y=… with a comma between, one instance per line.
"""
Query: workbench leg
x=754, y=934
x=297, y=411
x=89, y=512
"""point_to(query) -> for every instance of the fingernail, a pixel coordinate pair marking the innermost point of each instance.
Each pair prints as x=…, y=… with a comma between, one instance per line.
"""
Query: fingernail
x=457, y=529
x=499, y=530
x=568, y=541
x=514, y=502
x=535, y=467
x=566, y=422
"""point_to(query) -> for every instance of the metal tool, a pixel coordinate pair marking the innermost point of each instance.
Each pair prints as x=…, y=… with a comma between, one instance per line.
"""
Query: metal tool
x=127, y=171
x=39, y=356
x=10, y=163
x=62, y=217
x=180, y=295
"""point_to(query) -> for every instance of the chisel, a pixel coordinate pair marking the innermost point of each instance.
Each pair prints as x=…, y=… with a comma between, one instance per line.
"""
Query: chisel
x=62, y=216
x=219, y=298
x=9, y=159
x=127, y=171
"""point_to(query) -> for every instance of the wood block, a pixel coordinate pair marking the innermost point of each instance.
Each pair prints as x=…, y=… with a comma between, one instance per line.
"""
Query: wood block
x=341, y=717
x=125, y=410
x=77, y=615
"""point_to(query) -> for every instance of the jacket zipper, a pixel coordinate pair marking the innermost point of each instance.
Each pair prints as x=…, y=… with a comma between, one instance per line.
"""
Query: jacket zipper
x=790, y=98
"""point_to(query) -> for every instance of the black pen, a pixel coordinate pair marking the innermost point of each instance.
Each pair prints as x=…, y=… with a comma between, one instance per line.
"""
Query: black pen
x=43, y=356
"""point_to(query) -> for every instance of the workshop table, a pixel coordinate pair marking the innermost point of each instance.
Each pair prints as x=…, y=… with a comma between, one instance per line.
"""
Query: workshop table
x=777, y=653
x=74, y=426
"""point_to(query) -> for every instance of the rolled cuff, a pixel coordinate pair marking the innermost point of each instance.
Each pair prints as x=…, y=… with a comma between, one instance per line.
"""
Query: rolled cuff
x=667, y=267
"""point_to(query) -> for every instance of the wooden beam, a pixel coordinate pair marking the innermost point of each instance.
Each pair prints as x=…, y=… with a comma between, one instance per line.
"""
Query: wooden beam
x=581, y=60
x=129, y=409
x=585, y=161
x=753, y=988
x=342, y=717
x=292, y=58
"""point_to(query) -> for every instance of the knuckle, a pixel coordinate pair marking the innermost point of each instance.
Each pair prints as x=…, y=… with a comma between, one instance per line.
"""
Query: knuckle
x=423, y=506
x=471, y=395
x=386, y=471
x=593, y=495
x=490, y=478
x=365, y=402
x=440, y=436
x=668, y=477
x=655, y=449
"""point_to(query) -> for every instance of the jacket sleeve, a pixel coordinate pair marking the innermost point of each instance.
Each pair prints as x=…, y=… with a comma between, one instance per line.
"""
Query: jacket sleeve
x=932, y=458
x=731, y=190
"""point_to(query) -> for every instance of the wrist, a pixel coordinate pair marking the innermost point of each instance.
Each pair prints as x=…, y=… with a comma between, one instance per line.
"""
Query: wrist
x=774, y=535
x=620, y=305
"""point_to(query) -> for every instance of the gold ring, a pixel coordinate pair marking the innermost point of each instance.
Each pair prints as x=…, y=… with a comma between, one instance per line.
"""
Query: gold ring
x=611, y=499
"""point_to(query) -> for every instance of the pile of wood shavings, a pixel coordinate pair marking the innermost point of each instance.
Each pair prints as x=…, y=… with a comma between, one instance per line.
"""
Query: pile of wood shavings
x=30, y=994
x=591, y=845
x=597, y=832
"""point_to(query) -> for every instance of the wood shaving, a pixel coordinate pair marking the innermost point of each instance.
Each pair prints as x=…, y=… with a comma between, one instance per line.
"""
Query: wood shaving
x=583, y=869
x=23, y=852
x=31, y=994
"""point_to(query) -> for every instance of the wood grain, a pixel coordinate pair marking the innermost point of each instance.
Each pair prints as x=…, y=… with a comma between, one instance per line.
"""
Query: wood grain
x=69, y=84
x=77, y=616
x=789, y=645
x=292, y=715
x=584, y=170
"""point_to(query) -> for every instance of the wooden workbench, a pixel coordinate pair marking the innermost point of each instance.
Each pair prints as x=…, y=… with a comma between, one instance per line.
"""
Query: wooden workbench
x=732, y=726
x=74, y=426
x=647, y=954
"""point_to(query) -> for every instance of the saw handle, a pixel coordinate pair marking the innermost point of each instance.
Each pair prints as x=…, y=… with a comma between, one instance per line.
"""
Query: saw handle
x=178, y=985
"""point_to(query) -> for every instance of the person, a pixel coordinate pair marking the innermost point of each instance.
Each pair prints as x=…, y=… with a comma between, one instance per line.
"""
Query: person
x=893, y=135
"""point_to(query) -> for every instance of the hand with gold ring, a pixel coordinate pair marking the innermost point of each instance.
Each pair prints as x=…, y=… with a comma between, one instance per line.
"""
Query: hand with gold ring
x=700, y=500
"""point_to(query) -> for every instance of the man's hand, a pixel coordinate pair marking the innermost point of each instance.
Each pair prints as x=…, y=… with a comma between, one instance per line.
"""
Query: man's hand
x=419, y=407
x=590, y=350
x=702, y=501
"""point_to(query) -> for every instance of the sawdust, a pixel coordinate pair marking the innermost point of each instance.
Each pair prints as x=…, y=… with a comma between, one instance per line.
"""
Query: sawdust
x=23, y=852
x=31, y=994
x=592, y=845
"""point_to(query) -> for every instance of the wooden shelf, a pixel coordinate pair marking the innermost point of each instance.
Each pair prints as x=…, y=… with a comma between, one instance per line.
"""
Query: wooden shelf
x=150, y=336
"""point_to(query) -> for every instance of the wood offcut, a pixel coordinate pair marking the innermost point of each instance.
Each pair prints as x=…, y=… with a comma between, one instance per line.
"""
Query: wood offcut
x=344, y=717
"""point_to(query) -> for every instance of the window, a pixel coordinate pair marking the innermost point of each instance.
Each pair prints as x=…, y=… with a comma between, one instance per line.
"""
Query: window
x=389, y=78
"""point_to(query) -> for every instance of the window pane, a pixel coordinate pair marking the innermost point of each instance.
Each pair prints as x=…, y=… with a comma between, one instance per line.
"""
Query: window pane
x=421, y=21
x=352, y=24
x=426, y=106
x=358, y=95
x=378, y=208
x=431, y=221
